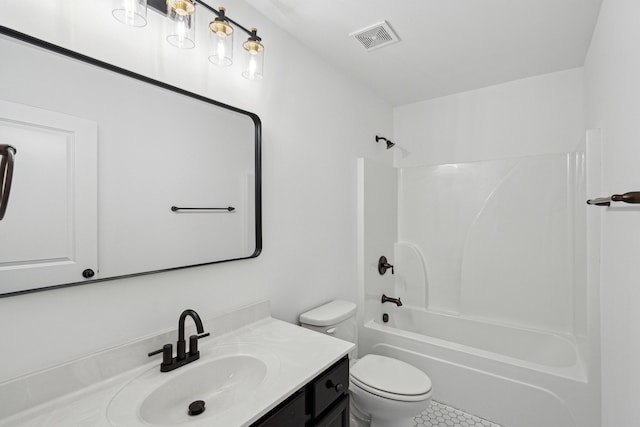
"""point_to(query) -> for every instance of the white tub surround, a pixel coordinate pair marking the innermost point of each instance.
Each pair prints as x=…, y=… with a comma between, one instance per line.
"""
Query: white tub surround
x=80, y=393
x=497, y=265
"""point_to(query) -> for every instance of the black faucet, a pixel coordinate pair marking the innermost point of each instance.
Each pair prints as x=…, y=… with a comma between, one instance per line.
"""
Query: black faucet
x=169, y=363
x=396, y=301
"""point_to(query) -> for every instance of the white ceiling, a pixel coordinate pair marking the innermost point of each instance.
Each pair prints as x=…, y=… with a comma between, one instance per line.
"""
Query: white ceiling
x=447, y=46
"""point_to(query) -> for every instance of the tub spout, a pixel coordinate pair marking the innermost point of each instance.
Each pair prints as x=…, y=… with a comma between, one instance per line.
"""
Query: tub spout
x=396, y=301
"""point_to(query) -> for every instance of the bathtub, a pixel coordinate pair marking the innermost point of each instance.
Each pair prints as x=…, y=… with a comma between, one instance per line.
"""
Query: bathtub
x=516, y=377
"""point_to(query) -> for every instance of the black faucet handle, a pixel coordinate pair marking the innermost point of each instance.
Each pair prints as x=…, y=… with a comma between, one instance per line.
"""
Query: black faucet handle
x=193, y=343
x=383, y=265
x=167, y=354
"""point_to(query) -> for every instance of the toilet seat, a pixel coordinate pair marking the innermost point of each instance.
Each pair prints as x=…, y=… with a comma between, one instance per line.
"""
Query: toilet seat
x=391, y=396
x=391, y=379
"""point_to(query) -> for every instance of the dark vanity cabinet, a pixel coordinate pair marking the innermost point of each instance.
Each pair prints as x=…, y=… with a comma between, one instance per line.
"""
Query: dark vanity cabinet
x=323, y=402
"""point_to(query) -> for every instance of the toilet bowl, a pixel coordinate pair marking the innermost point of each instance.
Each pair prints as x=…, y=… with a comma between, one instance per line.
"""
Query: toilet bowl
x=387, y=391
x=384, y=391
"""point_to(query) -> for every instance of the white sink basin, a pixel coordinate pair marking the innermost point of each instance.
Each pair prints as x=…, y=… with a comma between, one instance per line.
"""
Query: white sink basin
x=219, y=383
x=225, y=381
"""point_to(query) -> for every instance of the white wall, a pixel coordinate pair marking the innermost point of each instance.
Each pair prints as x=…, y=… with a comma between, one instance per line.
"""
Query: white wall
x=612, y=77
x=315, y=124
x=538, y=115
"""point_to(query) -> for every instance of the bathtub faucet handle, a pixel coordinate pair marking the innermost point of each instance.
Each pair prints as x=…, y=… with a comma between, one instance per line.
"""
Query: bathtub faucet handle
x=383, y=265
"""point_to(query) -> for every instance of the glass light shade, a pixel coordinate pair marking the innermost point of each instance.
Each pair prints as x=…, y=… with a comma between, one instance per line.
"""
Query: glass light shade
x=254, y=60
x=221, y=36
x=181, y=23
x=130, y=12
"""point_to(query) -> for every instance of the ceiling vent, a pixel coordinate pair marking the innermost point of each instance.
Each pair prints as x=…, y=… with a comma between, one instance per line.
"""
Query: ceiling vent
x=376, y=36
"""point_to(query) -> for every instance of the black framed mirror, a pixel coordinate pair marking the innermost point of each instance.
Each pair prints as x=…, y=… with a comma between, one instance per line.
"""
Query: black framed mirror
x=116, y=174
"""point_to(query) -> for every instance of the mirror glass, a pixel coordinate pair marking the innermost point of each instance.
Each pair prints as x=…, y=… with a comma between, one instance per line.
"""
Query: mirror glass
x=116, y=174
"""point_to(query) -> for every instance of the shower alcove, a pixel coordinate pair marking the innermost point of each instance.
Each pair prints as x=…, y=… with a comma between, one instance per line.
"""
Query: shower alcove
x=496, y=263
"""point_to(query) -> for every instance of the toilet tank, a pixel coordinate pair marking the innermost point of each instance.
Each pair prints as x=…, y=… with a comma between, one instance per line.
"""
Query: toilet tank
x=336, y=318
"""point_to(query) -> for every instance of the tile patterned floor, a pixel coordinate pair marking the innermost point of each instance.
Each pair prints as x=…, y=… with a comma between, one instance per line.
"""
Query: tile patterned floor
x=439, y=415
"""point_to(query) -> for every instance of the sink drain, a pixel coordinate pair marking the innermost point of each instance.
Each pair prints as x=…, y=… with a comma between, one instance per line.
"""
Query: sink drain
x=196, y=407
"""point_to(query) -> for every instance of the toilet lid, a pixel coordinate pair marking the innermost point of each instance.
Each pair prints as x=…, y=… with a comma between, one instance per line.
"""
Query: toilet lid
x=328, y=314
x=390, y=376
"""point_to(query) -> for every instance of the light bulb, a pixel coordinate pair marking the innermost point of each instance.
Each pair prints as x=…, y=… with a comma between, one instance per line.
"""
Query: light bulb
x=252, y=67
x=181, y=31
x=221, y=51
x=129, y=11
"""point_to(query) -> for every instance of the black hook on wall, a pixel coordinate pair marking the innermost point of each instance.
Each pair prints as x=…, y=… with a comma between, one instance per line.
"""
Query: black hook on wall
x=7, y=156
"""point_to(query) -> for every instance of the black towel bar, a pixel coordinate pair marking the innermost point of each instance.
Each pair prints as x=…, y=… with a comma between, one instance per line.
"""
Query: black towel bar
x=228, y=209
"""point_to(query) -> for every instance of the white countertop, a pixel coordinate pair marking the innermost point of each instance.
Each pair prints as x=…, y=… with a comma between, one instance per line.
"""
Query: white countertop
x=298, y=354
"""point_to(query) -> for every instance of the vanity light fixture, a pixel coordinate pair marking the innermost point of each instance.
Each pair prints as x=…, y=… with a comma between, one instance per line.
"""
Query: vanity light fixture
x=221, y=40
x=180, y=23
x=253, y=69
x=130, y=12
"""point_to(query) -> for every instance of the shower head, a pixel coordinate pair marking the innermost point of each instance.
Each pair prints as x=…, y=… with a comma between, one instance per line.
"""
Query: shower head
x=389, y=143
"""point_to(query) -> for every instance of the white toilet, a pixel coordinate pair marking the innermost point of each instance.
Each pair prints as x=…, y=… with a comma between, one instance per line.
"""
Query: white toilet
x=386, y=391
